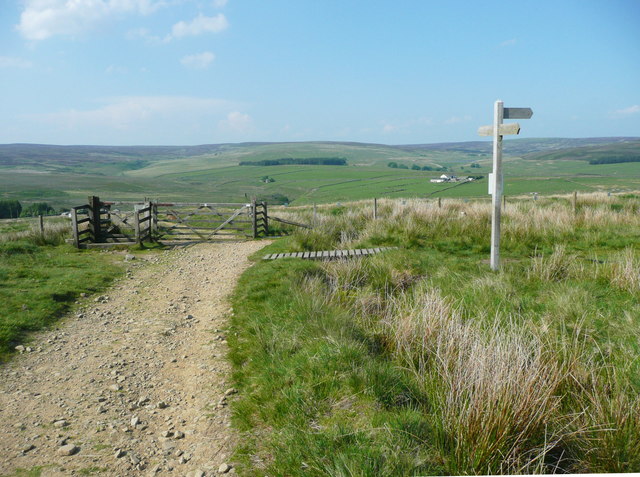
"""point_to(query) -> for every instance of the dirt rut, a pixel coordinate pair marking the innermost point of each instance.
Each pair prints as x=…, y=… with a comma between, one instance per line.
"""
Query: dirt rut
x=135, y=382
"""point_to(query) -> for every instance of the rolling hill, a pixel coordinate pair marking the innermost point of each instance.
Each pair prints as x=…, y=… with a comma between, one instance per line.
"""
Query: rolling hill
x=65, y=175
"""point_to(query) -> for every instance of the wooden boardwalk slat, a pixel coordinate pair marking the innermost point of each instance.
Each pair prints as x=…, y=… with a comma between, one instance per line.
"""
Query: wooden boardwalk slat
x=328, y=254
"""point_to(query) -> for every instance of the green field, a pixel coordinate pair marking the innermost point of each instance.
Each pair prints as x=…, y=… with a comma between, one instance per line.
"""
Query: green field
x=66, y=176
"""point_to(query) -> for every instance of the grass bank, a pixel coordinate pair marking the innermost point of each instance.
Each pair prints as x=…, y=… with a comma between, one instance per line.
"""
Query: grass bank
x=422, y=361
x=41, y=278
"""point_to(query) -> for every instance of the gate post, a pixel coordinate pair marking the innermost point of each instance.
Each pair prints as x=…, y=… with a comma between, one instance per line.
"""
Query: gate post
x=136, y=223
x=74, y=224
x=265, y=218
x=94, y=218
x=254, y=218
x=154, y=221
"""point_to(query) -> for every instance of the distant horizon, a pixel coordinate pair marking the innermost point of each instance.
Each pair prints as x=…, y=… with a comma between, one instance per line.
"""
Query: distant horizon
x=319, y=141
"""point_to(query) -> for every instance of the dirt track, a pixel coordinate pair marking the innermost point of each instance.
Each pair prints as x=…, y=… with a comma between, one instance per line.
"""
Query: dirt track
x=136, y=381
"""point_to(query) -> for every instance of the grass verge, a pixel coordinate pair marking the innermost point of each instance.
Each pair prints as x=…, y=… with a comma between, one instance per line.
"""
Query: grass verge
x=421, y=361
x=39, y=283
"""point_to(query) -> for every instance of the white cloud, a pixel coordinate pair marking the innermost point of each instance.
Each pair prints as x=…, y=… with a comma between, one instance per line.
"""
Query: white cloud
x=12, y=62
x=236, y=122
x=115, y=69
x=405, y=126
x=457, y=119
x=198, y=61
x=144, y=34
x=139, y=115
x=42, y=19
x=136, y=120
x=635, y=109
x=510, y=42
x=219, y=3
x=199, y=25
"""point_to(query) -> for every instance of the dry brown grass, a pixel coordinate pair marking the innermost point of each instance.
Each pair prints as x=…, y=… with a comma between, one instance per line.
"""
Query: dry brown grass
x=54, y=233
x=625, y=271
x=494, y=388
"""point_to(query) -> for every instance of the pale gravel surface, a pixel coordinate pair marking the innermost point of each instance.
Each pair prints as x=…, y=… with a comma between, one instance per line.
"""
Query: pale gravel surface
x=134, y=382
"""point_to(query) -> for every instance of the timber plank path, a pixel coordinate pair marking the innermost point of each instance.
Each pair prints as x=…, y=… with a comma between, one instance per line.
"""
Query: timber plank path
x=329, y=254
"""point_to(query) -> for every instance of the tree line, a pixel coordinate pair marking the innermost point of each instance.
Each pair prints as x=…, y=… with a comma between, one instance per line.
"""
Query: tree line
x=12, y=209
x=305, y=161
x=415, y=167
x=614, y=159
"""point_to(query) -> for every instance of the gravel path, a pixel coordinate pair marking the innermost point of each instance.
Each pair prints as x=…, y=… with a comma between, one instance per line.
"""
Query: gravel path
x=135, y=382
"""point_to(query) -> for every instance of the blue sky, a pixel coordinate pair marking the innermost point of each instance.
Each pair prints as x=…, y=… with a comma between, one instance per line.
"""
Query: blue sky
x=123, y=72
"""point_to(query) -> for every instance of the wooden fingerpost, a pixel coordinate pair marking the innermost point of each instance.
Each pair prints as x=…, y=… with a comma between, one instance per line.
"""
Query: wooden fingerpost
x=495, y=179
x=497, y=191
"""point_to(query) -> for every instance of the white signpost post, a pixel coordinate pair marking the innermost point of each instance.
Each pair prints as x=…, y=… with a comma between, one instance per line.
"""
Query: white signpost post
x=497, y=130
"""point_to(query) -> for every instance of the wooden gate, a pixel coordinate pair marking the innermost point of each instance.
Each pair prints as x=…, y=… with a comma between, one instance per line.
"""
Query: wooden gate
x=100, y=223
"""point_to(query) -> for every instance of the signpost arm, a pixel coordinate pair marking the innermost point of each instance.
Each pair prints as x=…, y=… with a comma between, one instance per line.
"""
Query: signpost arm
x=497, y=192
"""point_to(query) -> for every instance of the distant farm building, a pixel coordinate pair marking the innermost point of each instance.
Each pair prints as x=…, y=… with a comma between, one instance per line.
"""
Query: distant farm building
x=451, y=178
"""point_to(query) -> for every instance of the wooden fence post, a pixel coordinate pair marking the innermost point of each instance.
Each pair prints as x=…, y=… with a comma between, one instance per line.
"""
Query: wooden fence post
x=94, y=217
x=41, y=222
x=265, y=218
x=136, y=223
x=504, y=202
x=154, y=221
x=439, y=202
x=74, y=225
x=254, y=218
x=375, y=208
x=575, y=202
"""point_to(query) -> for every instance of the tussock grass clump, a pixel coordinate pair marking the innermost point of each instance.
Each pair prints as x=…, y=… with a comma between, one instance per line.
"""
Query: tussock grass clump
x=526, y=221
x=554, y=267
x=612, y=422
x=625, y=271
x=492, y=390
